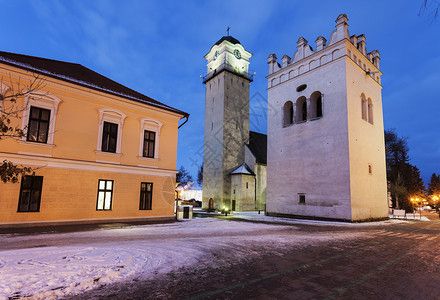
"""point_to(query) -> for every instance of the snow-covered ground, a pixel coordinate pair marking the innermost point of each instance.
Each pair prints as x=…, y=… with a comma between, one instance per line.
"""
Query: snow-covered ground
x=61, y=264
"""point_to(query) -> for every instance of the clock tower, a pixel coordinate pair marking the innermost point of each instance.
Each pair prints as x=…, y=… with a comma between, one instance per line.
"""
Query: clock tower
x=226, y=119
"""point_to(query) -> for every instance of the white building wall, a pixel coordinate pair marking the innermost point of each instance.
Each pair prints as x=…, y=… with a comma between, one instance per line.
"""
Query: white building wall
x=311, y=157
x=367, y=147
x=328, y=158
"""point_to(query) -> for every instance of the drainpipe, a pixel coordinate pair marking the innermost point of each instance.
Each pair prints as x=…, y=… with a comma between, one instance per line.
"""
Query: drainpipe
x=186, y=117
x=255, y=188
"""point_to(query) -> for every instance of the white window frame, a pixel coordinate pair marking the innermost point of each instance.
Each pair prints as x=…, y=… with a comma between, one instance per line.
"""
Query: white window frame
x=3, y=89
x=112, y=116
x=150, y=125
x=40, y=100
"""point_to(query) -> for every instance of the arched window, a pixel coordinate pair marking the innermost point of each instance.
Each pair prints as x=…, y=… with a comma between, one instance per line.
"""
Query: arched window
x=301, y=109
x=370, y=111
x=288, y=113
x=364, y=107
x=315, y=105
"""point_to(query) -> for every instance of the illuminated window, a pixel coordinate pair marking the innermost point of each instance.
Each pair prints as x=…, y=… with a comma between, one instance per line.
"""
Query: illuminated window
x=38, y=126
x=30, y=194
x=146, y=196
x=302, y=198
x=109, y=137
x=105, y=195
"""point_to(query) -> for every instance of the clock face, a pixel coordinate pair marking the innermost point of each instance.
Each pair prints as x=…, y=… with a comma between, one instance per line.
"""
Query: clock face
x=237, y=53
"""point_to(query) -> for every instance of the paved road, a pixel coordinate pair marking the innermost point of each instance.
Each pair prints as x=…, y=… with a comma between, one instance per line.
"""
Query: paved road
x=399, y=261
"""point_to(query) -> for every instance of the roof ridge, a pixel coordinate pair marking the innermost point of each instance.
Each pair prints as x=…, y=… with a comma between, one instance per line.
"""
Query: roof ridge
x=45, y=58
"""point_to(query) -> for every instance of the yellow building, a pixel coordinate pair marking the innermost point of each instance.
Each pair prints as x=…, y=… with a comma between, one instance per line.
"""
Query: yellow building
x=100, y=150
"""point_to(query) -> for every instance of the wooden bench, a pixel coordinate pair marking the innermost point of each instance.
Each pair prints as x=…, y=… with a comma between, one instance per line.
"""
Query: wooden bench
x=399, y=213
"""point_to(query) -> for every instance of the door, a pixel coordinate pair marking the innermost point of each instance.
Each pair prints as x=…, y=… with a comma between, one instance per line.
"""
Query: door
x=186, y=212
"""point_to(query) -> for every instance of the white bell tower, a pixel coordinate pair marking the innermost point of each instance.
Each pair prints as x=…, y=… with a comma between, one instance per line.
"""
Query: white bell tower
x=226, y=119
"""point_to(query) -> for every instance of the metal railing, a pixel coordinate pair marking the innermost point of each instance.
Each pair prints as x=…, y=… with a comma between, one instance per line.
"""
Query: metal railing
x=230, y=68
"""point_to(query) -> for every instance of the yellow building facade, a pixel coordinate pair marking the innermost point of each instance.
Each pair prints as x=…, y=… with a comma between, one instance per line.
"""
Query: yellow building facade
x=99, y=150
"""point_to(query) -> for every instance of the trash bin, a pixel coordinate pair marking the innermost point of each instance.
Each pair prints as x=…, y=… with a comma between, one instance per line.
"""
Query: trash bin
x=184, y=212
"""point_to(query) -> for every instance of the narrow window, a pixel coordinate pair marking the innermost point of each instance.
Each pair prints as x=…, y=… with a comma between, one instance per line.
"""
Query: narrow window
x=288, y=113
x=247, y=186
x=301, y=109
x=364, y=107
x=304, y=111
x=30, y=194
x=316, y=105
x=109, y=137
x=105, y=195
x=370, y=111
x=370, y=169
x=319, y=107
x=302, y=198
x=146, y=196
x=38, y=127
x=149, y=143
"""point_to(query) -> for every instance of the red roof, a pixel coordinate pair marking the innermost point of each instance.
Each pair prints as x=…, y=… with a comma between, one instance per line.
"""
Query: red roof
x=78, y=74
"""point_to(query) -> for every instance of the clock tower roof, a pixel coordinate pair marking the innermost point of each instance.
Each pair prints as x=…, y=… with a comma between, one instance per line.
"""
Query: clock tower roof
x=229, y=39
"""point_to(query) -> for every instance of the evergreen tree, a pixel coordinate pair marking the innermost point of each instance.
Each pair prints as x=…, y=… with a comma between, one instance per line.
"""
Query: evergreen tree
x=200, y=175
x=183, y=176
x=404, y=179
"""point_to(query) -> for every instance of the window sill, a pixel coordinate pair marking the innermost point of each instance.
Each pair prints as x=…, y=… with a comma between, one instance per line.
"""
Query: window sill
x=108, y=153
x=315, y=118
x=148, y=158
x=43, y=145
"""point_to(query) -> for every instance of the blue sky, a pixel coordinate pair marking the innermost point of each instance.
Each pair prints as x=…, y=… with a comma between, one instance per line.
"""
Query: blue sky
x=157, y=48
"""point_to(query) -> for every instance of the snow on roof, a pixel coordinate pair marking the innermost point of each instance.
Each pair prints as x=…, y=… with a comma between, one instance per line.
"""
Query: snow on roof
x=80, y=75
x=243, y=169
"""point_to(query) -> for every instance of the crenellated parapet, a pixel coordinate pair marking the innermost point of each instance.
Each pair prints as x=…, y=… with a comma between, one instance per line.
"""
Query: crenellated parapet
x=340, y=44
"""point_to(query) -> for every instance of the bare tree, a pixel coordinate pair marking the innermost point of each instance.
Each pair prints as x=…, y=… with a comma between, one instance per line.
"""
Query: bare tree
x=10, y=113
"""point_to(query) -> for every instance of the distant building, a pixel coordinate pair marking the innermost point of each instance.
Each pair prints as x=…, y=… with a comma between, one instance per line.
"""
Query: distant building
x=101, y=151
x=326, y=153
x=234, y=161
